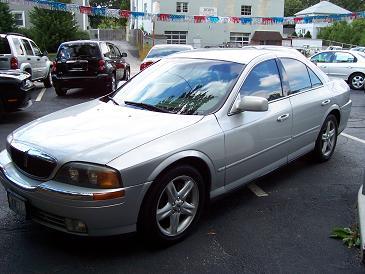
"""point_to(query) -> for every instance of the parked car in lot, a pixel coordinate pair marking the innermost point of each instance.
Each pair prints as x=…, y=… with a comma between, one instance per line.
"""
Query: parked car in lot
x=361, y=214
x=191, y=127
x=14, y=90
x=343, y=64
x=158, y=52
x=361, y=49
x=21, y=54
x=86, y=63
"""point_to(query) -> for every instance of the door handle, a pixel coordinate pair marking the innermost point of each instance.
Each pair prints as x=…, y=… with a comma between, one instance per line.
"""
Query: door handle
x=29, y=59
x=283, y=117
x=323, y=66
x=38, y=59
x=326, y=102
x=349, y=67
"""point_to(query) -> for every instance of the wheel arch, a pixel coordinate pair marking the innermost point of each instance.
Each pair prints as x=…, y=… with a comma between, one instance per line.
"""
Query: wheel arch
x=352, y=74
x=335, y=110
x=196, y=159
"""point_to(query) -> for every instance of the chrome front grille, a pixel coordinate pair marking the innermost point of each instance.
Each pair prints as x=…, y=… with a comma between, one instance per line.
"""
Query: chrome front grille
x=31, y=161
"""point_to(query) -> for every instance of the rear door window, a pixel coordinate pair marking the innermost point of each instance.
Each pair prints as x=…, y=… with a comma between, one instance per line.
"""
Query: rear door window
x=344, y=57
x=79, y=51
x=28, y=48
x=297, y=75
x=18, y=47
x=314, y=78
x=4, y=46
x=36, y=50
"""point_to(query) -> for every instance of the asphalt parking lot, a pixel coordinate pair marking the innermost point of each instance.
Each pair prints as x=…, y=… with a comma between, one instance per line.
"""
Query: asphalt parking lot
x=286, y=231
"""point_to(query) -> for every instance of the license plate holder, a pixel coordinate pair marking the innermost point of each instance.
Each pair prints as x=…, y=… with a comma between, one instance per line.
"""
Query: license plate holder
x=18, y=204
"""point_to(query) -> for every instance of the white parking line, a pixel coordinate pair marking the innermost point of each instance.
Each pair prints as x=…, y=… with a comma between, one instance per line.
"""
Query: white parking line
x=40, y=95
x=257, y=190
x=353, y=138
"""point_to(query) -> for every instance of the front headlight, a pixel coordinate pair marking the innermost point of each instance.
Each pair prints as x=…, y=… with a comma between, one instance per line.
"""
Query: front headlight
x=26, y=85
x=89, y=175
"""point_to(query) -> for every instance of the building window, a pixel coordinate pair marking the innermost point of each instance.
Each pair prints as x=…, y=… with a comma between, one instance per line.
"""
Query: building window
x=145, y=7
x=19, y=18
x=182, y=6
x=239, y=39
x=176, y=37
x=245, y=10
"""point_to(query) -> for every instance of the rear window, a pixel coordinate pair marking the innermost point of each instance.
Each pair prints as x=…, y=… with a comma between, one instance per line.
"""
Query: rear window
x=79, y=51
x=4, y=46
x=162, y=52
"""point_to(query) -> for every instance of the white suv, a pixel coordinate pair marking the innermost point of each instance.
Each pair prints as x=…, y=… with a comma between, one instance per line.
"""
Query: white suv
x=22, y=54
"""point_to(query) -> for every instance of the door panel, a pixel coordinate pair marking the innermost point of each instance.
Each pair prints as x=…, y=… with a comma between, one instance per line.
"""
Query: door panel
x=41, y=61
x=31, y=59
x=256, y=142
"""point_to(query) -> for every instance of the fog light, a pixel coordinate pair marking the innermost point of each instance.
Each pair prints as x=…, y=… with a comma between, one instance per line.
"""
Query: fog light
x=73, y=225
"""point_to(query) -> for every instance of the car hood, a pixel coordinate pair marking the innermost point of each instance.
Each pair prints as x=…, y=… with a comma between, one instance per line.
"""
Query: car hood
x=98, y=132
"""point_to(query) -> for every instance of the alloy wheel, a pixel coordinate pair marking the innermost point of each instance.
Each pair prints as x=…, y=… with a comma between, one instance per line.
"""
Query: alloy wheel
x=328, y=138
x=177, y=206
x=358, y=81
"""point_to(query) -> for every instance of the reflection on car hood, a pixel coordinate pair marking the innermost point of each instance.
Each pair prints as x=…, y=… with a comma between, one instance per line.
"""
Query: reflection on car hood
x=98, y=132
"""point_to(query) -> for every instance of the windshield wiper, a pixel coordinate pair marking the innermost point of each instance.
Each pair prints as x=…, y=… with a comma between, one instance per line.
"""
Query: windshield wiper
x=112, y=99
x=147, y=106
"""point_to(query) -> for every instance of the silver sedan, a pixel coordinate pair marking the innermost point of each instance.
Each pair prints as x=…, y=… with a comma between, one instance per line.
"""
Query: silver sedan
x=189, y=128
x=343, y=64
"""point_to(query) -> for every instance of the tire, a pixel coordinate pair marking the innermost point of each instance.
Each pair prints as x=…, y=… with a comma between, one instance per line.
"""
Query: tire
x=178, y=211
x=127, y=75
x=113, y=85
x=357, y=80
x=2, y=110
x=60, y=91
x=48, y=80
x=326, y=140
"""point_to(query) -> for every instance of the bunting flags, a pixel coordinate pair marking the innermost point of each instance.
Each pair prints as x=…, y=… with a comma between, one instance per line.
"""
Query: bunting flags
x=198, y=19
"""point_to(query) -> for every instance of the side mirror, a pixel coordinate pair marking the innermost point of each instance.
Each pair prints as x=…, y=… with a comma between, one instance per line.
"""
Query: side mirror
x=250, y=103
x=45, y=53
x=124, y=54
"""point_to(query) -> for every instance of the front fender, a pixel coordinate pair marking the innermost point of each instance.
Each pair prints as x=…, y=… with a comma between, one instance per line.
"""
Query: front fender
x=179, y=156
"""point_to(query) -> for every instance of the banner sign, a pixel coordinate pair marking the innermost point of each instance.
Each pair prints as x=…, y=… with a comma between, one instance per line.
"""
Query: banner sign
x=207, y=14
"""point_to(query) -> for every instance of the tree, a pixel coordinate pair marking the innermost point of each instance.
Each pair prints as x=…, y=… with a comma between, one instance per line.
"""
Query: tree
x=350, y=33
x=294, y=34
x=102, y=22
x=7, y=21
x=52, y=27
x=308, y=34
x=294, y=6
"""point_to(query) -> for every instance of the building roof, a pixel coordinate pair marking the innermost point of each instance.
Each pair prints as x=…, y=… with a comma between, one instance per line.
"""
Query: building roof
x=323, y=7
x=266, y=36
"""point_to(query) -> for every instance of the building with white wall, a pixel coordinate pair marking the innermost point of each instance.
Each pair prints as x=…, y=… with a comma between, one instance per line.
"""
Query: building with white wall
x=209, y=34
x=21, y=14
x=322, y=8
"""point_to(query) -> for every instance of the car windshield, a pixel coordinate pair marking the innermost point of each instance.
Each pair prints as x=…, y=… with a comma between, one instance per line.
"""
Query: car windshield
x=162, y=52
x=77, y=51
x=182, y=86
x=4, y=46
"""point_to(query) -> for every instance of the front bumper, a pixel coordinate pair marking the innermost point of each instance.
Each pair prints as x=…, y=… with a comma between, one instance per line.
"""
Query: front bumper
x=100, y=80
x=52, y=203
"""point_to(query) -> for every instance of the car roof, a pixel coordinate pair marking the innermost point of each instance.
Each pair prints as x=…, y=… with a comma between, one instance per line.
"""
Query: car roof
x=171, y=46
x=239, y=55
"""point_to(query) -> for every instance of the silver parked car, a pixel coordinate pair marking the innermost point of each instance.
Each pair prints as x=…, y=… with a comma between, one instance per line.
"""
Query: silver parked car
x=192, y=127
x=158, y=52
x=21, y=54
x=343, y=64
